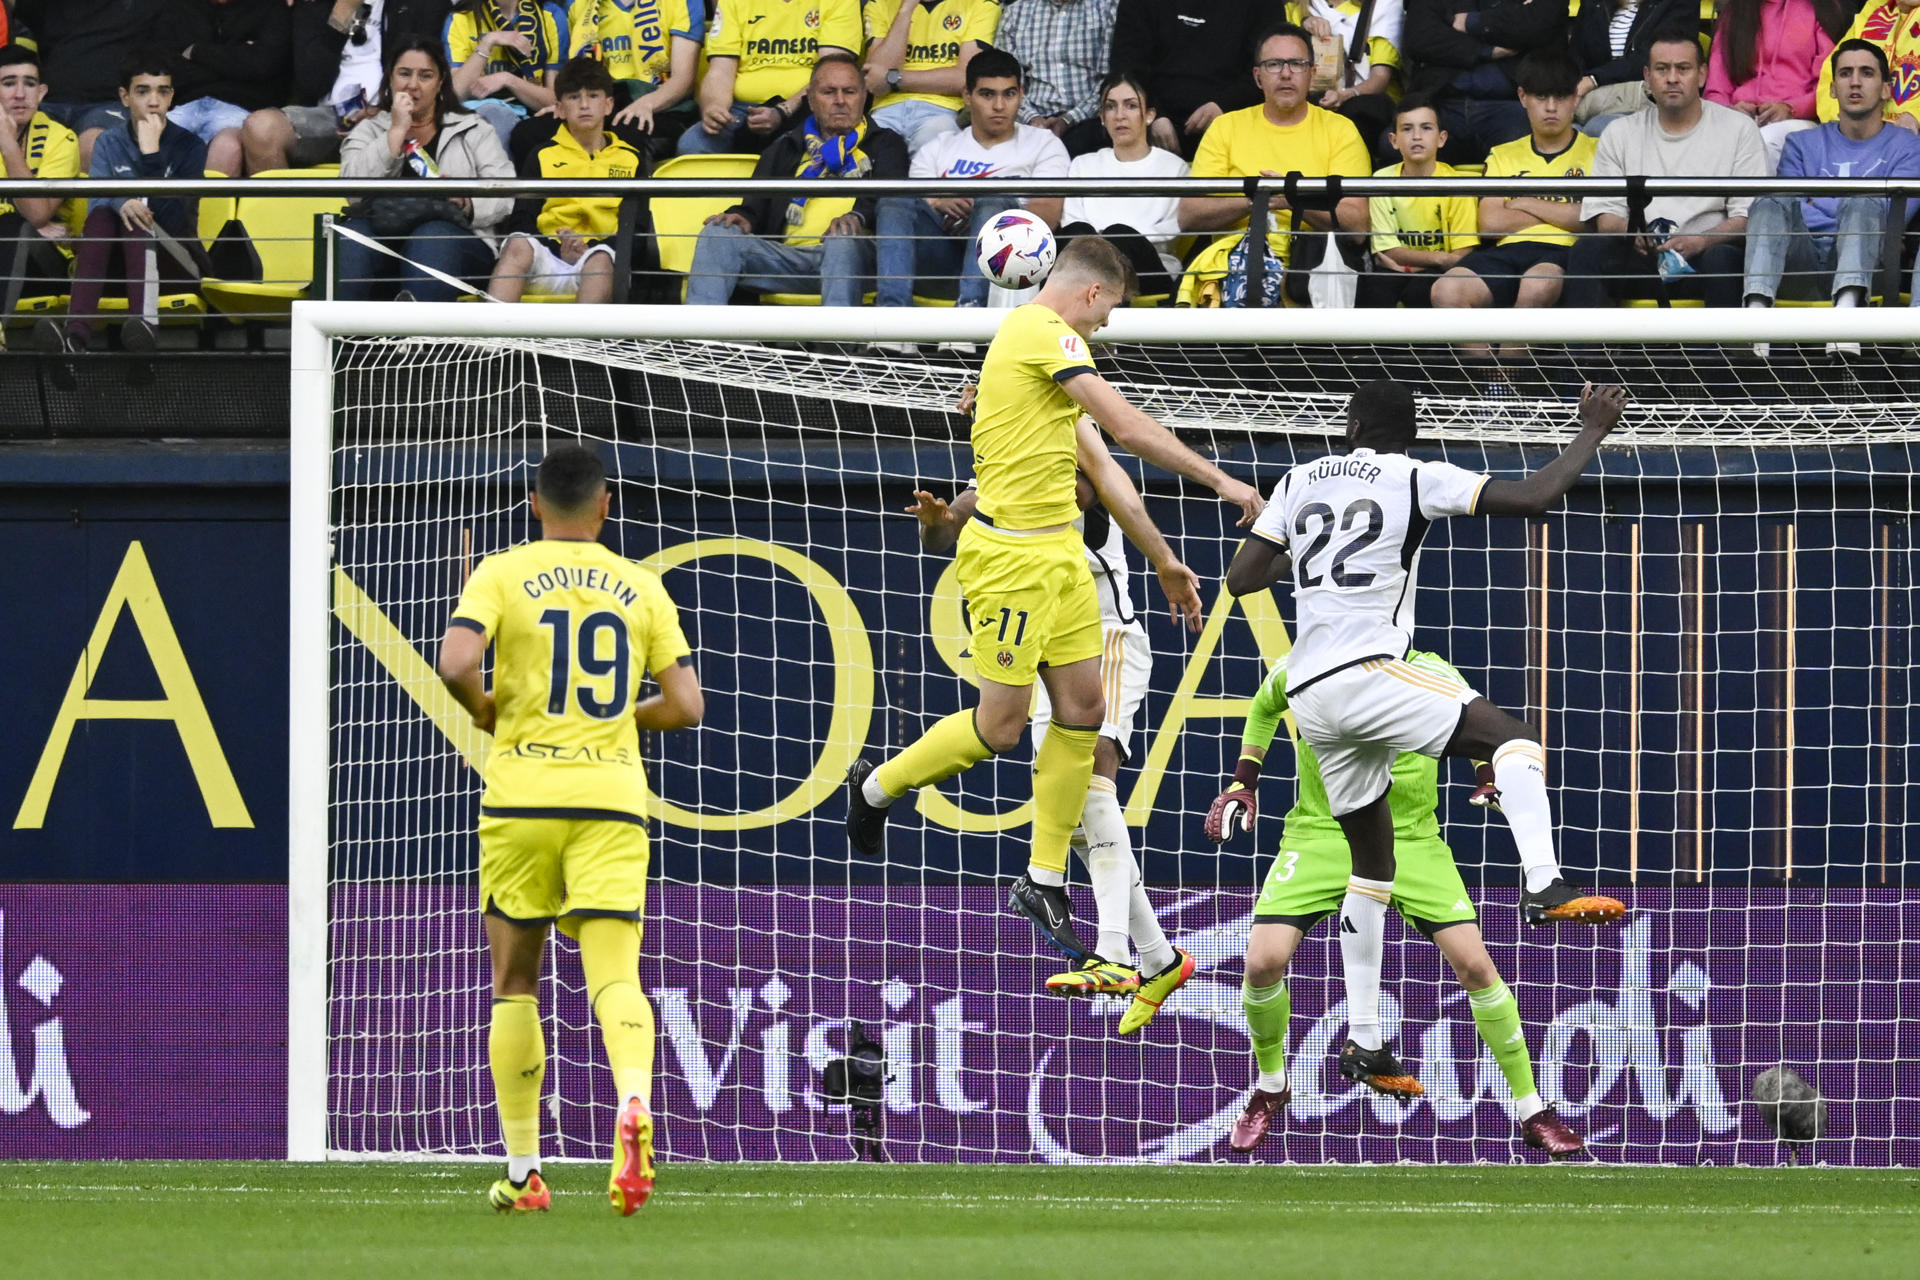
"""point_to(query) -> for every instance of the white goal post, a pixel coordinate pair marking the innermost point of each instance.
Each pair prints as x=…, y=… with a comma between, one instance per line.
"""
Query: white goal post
x=1709, y=644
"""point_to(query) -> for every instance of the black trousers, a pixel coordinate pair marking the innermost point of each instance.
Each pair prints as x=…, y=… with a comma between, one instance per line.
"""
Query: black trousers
x=1136, y=248
x=1603, y=267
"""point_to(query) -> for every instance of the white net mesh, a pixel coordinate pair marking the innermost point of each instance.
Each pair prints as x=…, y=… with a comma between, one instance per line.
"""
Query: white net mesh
x=1715, y=635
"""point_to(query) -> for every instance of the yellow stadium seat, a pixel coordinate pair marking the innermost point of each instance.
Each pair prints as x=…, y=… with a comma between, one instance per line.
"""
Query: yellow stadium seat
x=281, y=232
x=677, y=219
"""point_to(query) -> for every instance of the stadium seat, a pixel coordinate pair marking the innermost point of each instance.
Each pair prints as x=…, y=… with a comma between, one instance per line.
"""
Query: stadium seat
x=677, y=219
x=278, y=240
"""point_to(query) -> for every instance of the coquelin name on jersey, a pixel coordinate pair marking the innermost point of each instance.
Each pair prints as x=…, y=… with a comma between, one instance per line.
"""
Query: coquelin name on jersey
x=561, y=577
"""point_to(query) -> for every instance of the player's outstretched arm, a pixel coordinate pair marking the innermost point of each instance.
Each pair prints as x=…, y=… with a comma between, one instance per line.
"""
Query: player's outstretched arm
x=1237, y=805
x=679, y=705
x=1600, y=410
x=461, y=650
x=940, y=521
x=1147, y=439
x=1257, y=565
x=1123, y=503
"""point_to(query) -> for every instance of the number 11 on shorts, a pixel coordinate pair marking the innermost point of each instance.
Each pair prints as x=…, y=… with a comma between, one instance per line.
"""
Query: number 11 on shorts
x=1020, y=632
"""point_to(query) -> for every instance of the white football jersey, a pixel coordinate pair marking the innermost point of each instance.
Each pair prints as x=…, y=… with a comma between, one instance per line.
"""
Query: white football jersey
x=1354, y=524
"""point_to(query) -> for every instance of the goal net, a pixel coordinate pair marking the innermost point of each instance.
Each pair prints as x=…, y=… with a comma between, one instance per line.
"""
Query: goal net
x=1714, y=634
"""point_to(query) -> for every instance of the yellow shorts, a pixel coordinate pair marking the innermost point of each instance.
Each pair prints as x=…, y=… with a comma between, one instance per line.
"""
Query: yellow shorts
x=535, y=870
x=1030, y=601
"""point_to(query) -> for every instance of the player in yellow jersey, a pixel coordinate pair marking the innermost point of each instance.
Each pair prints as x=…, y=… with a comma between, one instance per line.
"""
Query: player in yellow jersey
x=1024, y=576
x=574, y=629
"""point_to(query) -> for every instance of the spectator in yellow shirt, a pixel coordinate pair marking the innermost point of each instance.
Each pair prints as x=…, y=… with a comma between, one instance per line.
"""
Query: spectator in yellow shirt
x=33, y=145
x=917, y=62
x=1416, y=237
x=1894, y=25
x=1284, y=134
x=760, y=54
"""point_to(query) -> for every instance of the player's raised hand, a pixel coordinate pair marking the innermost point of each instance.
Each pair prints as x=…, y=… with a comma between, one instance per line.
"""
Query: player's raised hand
x=1182, y=588
x=1234, y=807
x=1601, y=407
x=968, y=395
x=930, y=511
x=1245, y=497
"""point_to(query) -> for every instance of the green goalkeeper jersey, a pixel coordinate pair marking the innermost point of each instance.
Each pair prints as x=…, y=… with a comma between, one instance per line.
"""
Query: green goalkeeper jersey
x=1416, y=779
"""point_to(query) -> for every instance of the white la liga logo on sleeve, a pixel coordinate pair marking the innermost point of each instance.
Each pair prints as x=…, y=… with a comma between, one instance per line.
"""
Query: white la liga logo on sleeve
x=1071, y=344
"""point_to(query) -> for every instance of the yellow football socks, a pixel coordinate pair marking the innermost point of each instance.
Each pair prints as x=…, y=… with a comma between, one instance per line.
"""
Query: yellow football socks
x=951, y=746
x=610, y=958
x=1061, y=770
x=517, y=1053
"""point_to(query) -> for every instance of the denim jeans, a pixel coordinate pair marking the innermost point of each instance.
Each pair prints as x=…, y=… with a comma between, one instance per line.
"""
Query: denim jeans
x=205, y=117
x=914, y=243
x=448, y=247
x=696, y=141
x=726, y=257
x=918, y=121
x=1779, y=244
x=504, y=116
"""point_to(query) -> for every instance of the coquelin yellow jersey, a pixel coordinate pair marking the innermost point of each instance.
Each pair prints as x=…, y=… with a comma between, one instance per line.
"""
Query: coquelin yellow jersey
x=1024, y=453
x=1519, y=159
x=777, y=41
x=935, y=33
x=574, y=629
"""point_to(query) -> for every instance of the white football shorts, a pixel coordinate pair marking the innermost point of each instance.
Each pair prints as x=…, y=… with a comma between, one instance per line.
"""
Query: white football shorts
x=1126, y=666
x=1359, y=718
x=552, y=274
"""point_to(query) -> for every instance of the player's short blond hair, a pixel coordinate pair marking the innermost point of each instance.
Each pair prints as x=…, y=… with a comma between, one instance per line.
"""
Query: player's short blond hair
x=1095, y=259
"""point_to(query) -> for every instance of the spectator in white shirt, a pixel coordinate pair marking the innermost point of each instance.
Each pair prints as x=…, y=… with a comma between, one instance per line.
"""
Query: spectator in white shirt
x=1143, y=228
x=932, y=238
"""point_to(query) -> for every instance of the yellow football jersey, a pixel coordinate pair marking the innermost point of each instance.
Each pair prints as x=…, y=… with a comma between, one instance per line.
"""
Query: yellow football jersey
x=1023, y=422
x=574, y=629
x=1518, y=159
x=934, y=35
x=52, y=151
x=634, y=40
x=1447, y=224
x=777, y=41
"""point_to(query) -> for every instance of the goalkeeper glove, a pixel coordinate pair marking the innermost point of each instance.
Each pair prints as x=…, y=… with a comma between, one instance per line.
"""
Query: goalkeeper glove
x=1236, y=806
x=1486, y=795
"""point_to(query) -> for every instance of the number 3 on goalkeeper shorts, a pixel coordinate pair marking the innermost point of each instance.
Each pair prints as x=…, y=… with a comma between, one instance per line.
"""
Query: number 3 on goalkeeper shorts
x=579, y=653
x=1020, y=632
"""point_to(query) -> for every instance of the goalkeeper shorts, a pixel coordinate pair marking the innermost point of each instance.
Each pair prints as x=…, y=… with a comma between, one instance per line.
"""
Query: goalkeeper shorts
x=1307, y=882
x=1030, y=599
x=536, y=870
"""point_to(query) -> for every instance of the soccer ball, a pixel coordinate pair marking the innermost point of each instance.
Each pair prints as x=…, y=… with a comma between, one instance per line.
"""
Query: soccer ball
x=1015, y=250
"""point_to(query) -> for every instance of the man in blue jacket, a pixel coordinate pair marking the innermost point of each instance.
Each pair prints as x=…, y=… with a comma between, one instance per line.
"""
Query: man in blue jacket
x=153, y=240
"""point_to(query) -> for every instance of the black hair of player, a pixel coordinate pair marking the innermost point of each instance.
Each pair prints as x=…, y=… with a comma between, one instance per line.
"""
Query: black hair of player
x=145, y=62
x=994, y=64
x=1548, y=73
x=1292, y=30
x=1381, y=416
x=1414, y=102
x=570, y=480
x=1115, y=79
x=583, y=75
x=1679, y=33
x=1856, y=45
x=444, y=102
x=13, y=55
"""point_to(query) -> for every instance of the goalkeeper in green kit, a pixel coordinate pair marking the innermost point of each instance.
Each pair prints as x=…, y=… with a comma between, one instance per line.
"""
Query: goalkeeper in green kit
x=1306, y=885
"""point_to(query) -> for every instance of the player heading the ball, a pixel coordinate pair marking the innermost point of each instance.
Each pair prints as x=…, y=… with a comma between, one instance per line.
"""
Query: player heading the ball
x=574, y=629
x=1023, y=574
x=1346, y=530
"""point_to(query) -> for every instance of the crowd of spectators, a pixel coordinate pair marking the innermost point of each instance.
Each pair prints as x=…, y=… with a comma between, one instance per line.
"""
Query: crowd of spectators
x=957, y=89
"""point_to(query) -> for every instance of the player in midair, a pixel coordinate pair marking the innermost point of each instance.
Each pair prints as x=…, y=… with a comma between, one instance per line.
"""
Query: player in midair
x=1305, y=884
x=1104, y=845
x=1346, y=529
x=1034, y=608
x=574, y=629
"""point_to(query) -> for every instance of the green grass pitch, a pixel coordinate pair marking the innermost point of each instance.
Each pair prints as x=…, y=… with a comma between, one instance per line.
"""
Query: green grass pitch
x=788, y=1222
